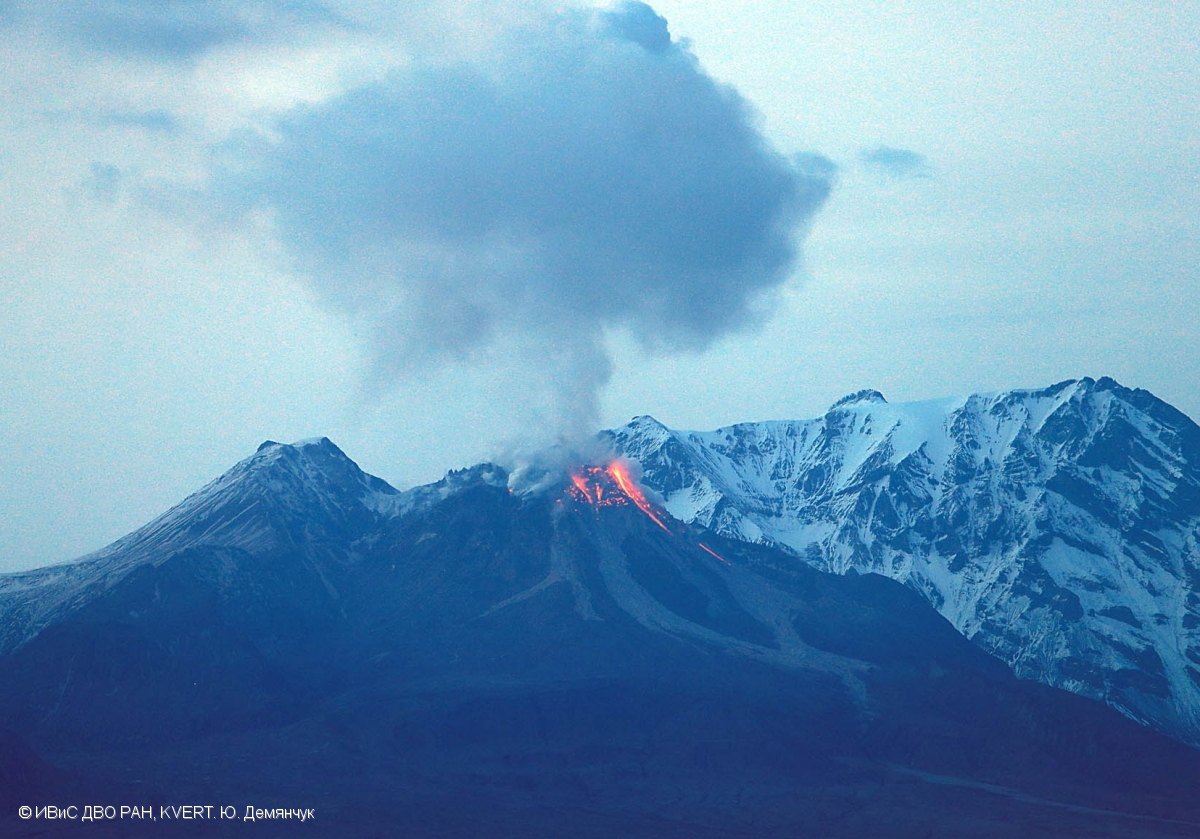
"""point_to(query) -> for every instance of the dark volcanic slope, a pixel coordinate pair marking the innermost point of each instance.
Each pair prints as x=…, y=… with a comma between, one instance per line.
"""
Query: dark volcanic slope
x=465, y=661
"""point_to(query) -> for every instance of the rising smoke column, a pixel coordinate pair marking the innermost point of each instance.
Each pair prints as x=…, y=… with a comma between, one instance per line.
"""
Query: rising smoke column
x=586, y=175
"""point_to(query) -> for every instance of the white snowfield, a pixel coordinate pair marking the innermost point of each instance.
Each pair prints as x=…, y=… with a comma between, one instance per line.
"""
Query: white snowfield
x=1057, y=528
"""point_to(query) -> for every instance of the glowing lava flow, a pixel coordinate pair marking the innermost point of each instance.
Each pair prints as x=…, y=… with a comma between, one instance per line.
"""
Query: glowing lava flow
x=582, y=487
x=588, y=484
x=613, y=486
x=709, y=550
x=620, y=474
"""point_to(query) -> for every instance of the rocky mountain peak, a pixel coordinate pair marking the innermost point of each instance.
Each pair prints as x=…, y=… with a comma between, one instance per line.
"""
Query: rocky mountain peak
x=1059, y=527
x=866, y=395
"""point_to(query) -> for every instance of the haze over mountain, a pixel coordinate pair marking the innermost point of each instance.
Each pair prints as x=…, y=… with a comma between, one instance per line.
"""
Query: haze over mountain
x=496, y=654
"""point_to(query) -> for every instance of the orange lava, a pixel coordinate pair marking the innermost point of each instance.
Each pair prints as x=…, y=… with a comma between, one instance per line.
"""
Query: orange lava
x=583, y=488
x=594, y=485
x=620, y=474
x=709, y=550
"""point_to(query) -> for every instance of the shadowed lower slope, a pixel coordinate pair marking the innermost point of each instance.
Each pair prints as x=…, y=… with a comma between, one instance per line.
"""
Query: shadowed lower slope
x=485, y=663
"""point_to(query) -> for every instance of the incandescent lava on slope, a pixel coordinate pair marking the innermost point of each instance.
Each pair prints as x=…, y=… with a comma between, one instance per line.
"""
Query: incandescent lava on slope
x=610, y=486
x=613, y=486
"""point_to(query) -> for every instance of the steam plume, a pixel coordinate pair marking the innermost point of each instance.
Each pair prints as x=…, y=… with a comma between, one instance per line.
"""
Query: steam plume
x=588, y=175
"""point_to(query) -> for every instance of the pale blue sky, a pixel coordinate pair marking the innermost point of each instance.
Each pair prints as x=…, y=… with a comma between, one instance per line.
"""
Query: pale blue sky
x=1046, y=229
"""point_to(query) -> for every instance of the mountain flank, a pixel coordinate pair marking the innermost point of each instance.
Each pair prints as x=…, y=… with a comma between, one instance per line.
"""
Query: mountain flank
x=491, y=655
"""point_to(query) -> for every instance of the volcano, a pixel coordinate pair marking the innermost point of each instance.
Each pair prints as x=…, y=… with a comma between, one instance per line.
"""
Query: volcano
x=612, y=485
x=471, y=658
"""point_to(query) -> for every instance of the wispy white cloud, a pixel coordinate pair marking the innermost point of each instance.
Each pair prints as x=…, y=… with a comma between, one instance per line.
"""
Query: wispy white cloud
x=168, y=29
x=896, y=163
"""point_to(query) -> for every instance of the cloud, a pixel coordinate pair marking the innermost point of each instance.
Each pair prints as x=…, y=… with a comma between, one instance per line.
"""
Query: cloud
x=640, y=24
x=103, y=182
x=167, y=29
x=587, y=176
x=813, y=165
x=155, y=121
x=896, y=163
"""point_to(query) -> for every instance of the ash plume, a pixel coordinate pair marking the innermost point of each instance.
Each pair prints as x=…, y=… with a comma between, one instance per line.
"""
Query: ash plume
x=585, y=176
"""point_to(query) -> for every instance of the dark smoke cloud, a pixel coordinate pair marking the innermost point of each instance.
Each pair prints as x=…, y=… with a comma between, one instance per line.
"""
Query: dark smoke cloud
x=587, y=176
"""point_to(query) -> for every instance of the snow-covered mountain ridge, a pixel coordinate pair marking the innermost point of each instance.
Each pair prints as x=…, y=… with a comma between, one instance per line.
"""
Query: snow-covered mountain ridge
x=1058, y=528
x=297, y=630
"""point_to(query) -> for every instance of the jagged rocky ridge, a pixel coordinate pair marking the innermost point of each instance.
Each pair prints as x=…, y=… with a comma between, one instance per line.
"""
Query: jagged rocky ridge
x=1059, y=528
x=464, y=659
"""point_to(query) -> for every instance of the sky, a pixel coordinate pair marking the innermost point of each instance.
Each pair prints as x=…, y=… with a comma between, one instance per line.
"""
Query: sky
x=460, y=230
